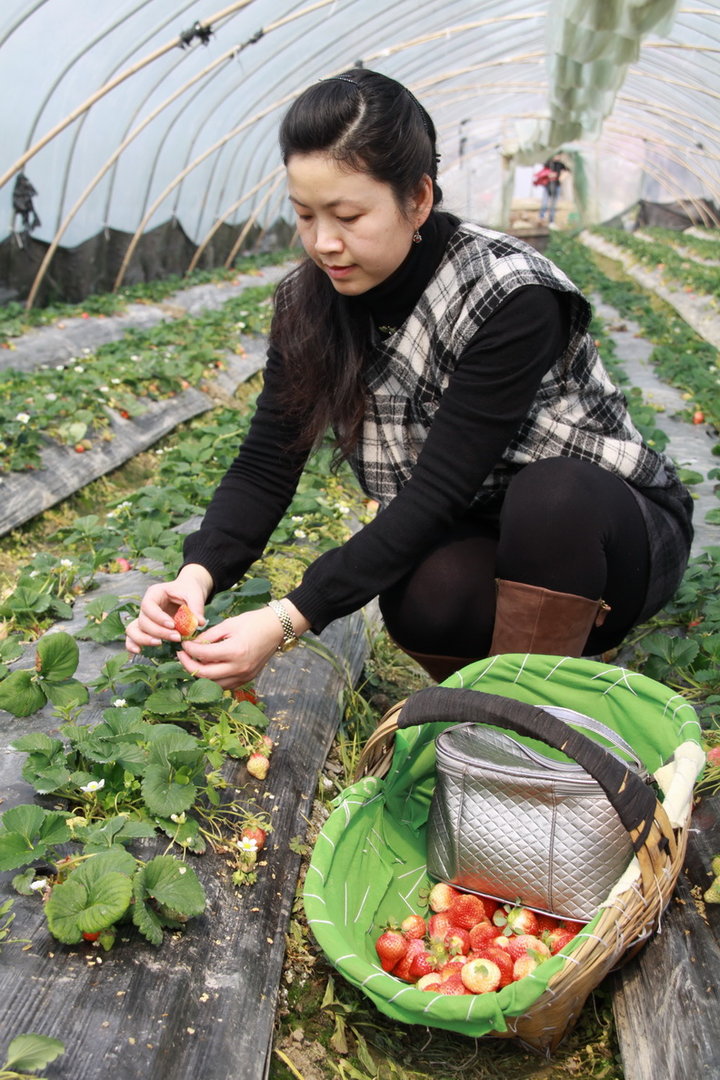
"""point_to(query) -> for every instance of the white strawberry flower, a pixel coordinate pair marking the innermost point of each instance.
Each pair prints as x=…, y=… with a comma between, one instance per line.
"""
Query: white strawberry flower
x=23, y=418
x=179, y=819
x=119, y=702
x=38, y=884
x=247, y=844
x=92, y=786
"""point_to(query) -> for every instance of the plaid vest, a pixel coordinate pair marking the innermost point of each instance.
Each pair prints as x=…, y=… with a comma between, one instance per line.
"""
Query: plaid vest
x=577, y=412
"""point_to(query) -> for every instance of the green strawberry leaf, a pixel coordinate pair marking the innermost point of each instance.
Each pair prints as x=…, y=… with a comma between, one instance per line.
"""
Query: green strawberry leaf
x=67, y=693
x=174, y=885
x=57, y=656
x=146, y=920
x=20, y=694
x=27, y=1053
x=163, y=795
x=74, y=908
x=204, y=692
x=166, y=702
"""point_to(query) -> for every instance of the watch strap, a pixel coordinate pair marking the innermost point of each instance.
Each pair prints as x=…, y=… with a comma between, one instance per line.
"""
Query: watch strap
x=289, y=636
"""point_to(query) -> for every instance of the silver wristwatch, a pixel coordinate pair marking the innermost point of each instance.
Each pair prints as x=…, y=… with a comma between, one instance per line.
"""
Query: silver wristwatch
x=290, y=638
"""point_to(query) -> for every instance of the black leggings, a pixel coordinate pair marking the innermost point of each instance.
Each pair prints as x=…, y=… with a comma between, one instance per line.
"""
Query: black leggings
x=565, y=525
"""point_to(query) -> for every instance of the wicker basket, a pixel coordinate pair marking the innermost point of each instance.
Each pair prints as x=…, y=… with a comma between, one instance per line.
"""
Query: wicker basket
x=542, y=1016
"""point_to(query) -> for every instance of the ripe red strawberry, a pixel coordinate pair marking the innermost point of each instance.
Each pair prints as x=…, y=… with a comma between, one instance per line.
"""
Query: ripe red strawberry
x=480, y=976
x=520, y=944
x=414, y=926
x=571, y=924
x=258, y=765
x=87, y=936
x=713, y=755
x=466, y=910
x=185, y=621
x=428, y=982
x=557, y=939
x=482, y=933
x=423, y=963
x=522, y=920
x=545, y=922
x=254, y=832
x=391, y=946
x=438, y=925
x=452, y=967
x=441, y=896
x=403, y=969
x=453, y=985
x=245, y=693
x=490, y=906
x=502, y=958
x=457, y=941
x=123, y=565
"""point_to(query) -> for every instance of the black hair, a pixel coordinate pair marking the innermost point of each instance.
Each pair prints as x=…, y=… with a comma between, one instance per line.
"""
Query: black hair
x=368, y=123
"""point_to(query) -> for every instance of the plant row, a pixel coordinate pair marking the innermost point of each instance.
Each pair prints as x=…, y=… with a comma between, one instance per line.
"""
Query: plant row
x=659, y=253
x=156, y=762
x=70, y=402
x=16, y=319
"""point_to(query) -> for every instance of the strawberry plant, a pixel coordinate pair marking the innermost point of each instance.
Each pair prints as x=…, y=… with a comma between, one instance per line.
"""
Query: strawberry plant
x=679, y=269
x=92, y=891
x=28, y=1053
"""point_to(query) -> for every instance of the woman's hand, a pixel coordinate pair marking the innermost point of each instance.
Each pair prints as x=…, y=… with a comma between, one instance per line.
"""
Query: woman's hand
x=154, y=623
x=236, y=650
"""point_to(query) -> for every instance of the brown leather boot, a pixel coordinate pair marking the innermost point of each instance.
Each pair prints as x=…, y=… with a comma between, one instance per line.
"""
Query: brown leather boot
x=439, y=667
x=529, y=619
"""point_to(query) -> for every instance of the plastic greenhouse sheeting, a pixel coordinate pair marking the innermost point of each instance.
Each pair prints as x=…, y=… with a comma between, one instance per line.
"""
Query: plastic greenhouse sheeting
x=368, y=867
x=124, y=116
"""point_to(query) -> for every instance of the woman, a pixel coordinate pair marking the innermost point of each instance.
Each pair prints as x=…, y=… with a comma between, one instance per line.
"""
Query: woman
x=519, y=508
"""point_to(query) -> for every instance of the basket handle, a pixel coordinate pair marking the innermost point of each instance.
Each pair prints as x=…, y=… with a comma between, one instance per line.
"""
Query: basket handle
x=634, y=802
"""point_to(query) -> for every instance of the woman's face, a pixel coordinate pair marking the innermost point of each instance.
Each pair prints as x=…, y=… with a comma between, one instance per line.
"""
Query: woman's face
x=350, y=224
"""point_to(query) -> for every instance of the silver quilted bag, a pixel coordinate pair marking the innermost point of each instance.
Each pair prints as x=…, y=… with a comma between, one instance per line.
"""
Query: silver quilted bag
x=510, y=822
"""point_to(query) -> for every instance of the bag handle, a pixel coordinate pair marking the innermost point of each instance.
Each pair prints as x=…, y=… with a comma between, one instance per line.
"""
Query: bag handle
x=589, y=723
x=633, y=801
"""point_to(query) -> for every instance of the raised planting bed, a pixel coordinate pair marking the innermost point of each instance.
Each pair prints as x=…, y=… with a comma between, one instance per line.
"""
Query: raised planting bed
x=203, y=1002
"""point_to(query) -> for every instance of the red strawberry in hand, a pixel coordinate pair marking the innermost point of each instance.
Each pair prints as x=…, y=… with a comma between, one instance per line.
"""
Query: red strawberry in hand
x=186, y=622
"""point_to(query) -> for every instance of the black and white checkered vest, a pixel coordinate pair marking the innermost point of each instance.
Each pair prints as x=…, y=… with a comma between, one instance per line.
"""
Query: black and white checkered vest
x=577, y=412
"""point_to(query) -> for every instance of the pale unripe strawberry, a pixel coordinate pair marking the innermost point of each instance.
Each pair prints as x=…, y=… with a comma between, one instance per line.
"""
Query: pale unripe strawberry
x=441, y=896
x=428, y=982
x=480, y=976
x=524, y=965
x=258, y=765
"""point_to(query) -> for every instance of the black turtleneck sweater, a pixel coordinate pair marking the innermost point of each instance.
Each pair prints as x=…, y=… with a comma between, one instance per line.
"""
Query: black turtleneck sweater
x=487, y=398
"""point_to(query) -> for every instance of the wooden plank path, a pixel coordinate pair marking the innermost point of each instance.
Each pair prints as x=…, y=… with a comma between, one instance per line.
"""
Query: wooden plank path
x=667, y=999
x=203, y=1003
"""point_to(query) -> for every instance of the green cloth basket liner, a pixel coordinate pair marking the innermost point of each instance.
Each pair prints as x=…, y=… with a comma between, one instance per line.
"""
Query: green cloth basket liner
x=368, y=866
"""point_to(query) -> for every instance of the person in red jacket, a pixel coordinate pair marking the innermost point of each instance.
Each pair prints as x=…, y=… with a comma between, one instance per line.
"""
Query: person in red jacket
x=520, y=509
x=552, y=172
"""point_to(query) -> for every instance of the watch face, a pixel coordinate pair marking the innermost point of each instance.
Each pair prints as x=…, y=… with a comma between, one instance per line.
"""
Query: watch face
x=287, y=645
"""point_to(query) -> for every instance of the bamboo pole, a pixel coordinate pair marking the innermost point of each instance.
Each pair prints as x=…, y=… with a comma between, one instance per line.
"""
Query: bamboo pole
x=112, y=84
x=226, y=214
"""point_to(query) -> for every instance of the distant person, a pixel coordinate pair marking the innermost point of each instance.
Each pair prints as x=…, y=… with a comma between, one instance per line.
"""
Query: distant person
x=520, y=509
x=553, y=170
